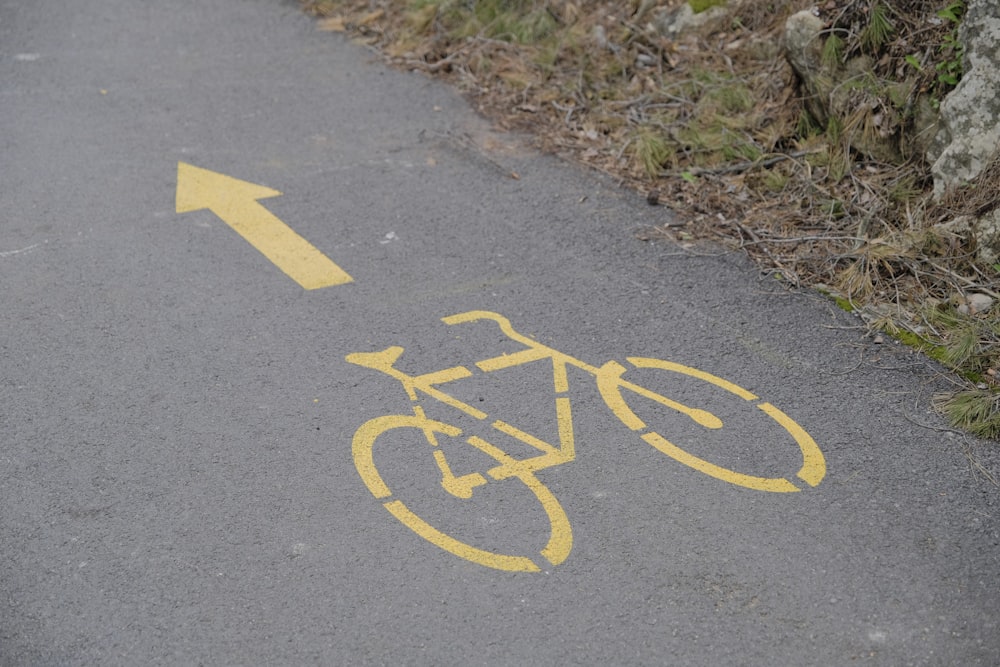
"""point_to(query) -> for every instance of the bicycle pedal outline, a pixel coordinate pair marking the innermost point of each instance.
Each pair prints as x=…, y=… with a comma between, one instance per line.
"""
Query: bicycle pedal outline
x=610, y=384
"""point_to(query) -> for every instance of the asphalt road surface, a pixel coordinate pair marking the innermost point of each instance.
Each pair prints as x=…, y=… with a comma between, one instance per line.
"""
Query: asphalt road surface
x=303, y=364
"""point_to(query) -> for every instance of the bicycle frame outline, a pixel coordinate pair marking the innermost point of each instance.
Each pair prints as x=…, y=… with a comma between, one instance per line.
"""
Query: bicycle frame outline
x=610, y=384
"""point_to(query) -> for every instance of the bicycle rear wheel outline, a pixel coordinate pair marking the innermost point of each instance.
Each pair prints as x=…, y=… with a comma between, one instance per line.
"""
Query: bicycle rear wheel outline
x=560, y=539
x=610, y=385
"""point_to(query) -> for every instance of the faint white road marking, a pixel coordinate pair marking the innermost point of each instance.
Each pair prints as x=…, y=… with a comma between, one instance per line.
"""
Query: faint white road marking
x=7, y=253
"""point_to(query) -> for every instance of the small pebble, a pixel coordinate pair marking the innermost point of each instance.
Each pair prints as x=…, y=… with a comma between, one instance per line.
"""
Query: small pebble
x=979, y=303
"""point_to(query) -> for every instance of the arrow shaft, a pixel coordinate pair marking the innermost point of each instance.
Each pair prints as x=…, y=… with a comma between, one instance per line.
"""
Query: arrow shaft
x=291, y=253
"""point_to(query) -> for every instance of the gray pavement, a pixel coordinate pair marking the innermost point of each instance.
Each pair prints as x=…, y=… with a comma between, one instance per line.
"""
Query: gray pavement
x=193, y=472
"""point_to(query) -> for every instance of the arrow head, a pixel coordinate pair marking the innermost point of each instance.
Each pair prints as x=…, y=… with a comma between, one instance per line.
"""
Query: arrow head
x=199, y=188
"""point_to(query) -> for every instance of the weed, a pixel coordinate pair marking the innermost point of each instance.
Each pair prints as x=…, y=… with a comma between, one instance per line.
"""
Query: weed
x=421, y=17
x=806, y=126
x=904, y=189
x=838, y=168
x=834, y=130
x=733, y=98
x=950, y=50
x=776, y=180
x=970, y=345
x=974, y=410
x=652, y=152
x=876, y=34
x=950, y=68
x=971, y=342
x=964, y=343
x=832, y=55
x=953, y=12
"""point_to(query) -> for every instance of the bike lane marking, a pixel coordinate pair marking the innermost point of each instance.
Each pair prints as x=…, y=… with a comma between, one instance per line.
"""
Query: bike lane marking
x=235, y=202
x=610, y=384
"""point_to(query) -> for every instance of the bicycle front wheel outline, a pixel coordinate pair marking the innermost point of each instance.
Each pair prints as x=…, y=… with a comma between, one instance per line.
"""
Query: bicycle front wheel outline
x=610, y=385
x=560, y=539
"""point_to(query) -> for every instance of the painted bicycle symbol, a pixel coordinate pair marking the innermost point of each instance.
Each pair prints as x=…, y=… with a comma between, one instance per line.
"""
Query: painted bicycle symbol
x=507, y=467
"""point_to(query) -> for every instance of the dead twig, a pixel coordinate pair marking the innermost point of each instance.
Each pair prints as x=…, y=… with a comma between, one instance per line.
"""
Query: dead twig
x=740, y=167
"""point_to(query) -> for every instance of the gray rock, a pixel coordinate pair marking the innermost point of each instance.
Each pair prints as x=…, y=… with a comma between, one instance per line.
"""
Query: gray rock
x=984, y=232
x=804, y=43
x=969, y=133
x=674, y=21
x=979, y=303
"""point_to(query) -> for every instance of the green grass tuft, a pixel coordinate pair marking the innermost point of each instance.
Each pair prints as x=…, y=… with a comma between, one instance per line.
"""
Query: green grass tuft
x=974, y=410
x=876, y=34
x=652, y=152
x=832, y=55
x=699, y=6
x=516, y=21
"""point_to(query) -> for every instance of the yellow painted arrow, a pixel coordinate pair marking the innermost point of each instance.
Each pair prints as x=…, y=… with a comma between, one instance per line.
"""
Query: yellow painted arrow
x=235, y=201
